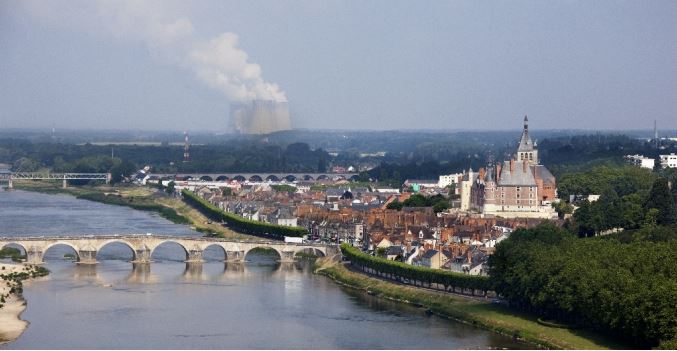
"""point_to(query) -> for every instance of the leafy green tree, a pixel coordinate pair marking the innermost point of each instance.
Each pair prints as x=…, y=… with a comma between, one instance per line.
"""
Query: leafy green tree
x=26, y=164
x=661, y=199
x=170, y=189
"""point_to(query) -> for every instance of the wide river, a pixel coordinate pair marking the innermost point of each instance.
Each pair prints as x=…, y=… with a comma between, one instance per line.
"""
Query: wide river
x=169, y=304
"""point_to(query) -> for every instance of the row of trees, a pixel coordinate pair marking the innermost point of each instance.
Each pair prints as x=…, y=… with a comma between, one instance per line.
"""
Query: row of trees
x=438, y=202
x=630, y=198
x=400, y=271
x=240, y=223
x=627, y=289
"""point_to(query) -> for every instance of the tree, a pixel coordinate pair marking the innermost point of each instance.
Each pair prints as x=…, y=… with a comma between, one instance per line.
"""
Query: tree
x=122, y=170
x=661, y=199
x=170, y=187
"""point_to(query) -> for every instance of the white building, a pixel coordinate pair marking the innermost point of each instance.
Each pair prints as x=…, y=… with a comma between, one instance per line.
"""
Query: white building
x=466, y=188
x=640, y=160
x=669, y=161
x=446, y=180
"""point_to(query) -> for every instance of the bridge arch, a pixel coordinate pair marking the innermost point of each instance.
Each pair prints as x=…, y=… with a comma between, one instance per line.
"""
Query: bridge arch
x=56, y=243
x=255, y=178
x=273, y=178
x=322, y=177
x=308, y=177
x=14, y=245
x=172, y=243
x=354, y=178
x=310, y=251
x=222, y=178
x=207, y=178
x=290, y=178
x=117, y=241
x=264, y=247
x=216, y=247
x=239, y=178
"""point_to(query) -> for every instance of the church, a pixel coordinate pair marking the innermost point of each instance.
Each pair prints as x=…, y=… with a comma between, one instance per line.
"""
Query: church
x=519, y=187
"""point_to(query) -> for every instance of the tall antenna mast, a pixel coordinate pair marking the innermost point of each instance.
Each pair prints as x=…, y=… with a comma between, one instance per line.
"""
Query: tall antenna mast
x=186, y=146
x=655, y=134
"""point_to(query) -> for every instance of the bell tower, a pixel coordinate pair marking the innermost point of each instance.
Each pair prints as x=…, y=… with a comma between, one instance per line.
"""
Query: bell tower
x=527, y=151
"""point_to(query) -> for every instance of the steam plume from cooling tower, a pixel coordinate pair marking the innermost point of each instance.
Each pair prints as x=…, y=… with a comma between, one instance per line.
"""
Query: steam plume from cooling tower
x=259, y=117
x=217, y=62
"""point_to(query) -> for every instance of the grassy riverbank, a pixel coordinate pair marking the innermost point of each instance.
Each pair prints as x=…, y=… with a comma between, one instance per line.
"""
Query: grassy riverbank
x=139, y=198
x=478, y=312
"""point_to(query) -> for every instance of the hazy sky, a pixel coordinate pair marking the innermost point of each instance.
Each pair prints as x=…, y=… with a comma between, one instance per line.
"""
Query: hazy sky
x=341, y=64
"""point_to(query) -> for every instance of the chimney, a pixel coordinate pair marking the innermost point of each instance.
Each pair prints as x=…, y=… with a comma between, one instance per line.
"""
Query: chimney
x=525, y=164
x=498, y=171
x=512, y=165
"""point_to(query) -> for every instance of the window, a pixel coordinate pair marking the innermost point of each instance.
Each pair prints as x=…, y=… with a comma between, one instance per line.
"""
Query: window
x=530, y=156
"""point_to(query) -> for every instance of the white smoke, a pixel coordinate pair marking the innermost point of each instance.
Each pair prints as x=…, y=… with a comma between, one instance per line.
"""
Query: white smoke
x=218, y=62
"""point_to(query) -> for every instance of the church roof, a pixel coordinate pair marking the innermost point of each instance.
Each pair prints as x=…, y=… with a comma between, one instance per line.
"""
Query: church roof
x=543, y=173
x=525, y=142
x=518, y=177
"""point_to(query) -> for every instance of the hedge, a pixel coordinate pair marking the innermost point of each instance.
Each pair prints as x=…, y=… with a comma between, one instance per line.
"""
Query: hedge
x=400, y=270
x=241, y=224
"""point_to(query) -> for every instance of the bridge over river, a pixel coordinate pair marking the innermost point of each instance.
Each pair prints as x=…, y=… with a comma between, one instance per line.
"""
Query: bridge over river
x=143, y=245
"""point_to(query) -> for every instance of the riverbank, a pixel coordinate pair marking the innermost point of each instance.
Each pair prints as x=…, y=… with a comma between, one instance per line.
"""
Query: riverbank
x=12, y=303
x=140, y=198
x=484, y=314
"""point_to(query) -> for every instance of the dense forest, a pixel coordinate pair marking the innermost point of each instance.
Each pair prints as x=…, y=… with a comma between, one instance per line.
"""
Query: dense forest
x=626, y=288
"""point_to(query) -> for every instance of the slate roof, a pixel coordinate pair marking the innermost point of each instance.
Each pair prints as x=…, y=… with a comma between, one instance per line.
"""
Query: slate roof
x=525, y=141
x=518, y=176
x=543, y=173
x=429, y=254
x=395, y=250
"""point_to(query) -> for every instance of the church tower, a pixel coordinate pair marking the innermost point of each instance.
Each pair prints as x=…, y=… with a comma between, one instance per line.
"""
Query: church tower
x=527, y=149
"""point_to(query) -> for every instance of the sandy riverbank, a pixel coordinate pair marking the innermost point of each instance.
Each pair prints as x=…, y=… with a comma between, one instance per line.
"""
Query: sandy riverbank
x=11, y=325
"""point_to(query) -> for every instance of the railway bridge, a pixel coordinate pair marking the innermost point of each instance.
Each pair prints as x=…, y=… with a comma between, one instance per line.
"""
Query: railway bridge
x=143, y=245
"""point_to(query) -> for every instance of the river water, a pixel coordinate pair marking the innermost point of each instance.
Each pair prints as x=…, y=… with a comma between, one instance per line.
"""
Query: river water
x=170, y=304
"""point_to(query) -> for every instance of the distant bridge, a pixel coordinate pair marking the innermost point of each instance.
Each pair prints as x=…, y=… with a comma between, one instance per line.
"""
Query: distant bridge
x=257, y=176
x=65, y=177
x=143, y=246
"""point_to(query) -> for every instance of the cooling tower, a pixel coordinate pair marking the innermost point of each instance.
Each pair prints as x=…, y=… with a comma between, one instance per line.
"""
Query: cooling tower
x=260, y=117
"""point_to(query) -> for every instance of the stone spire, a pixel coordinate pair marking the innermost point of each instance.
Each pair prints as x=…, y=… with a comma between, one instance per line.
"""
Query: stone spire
x=527, y=149
x=525, y=142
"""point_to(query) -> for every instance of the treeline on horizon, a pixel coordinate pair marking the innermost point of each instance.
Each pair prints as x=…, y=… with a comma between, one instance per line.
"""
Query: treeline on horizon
x=408, y=156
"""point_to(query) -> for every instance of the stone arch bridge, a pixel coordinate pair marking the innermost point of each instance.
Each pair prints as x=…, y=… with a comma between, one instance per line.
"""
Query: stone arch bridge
x=257, y=177
x=143, y=245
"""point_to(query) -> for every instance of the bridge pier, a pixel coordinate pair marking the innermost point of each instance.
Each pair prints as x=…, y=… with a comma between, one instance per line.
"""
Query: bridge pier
x=287, y=256
x=234, y=256
x=11, y=184
x=65, y=183
x=194, y=256
x=87, y=256
x=34, y=256
x=142, y=255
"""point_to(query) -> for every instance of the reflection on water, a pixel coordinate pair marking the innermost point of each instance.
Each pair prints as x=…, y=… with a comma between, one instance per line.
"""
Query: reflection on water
x=170, y=304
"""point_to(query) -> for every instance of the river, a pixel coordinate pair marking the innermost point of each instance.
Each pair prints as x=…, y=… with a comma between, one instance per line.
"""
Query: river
x=170, y=304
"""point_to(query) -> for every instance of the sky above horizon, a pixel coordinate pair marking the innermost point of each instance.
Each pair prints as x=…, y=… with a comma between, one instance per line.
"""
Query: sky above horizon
x=174, y=65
